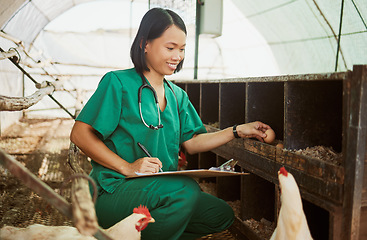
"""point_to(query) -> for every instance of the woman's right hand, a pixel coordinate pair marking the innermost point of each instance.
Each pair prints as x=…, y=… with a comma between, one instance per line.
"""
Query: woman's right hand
x=144, y=165
x=84, y=136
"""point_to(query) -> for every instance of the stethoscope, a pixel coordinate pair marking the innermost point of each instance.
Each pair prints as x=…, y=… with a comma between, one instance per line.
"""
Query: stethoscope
x=146, y=85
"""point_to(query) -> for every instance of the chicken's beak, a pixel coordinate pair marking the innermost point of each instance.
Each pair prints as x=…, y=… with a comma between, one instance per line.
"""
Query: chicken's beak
x=151, y=220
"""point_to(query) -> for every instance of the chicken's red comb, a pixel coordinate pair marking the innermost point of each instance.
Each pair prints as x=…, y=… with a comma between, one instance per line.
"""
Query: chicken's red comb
x=283, y=171
x=142, y=210
x=182, y=155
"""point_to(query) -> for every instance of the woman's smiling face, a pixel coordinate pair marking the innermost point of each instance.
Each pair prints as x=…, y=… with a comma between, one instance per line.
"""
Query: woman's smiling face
x=163, y=54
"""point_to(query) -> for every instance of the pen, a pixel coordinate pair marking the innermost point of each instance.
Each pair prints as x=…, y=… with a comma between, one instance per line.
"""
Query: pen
x=147, y=153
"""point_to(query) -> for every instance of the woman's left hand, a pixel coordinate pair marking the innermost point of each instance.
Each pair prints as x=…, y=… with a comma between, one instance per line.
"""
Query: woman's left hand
x=253, y=130
x=207, y=141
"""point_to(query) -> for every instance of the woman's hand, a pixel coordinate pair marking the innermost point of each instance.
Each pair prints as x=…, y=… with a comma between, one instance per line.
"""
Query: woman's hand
x=253, y=130
x=208, y=141
x=144, y=165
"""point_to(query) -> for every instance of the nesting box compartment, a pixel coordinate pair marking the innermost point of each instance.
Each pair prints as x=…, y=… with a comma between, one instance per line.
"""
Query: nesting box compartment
x=328, y=110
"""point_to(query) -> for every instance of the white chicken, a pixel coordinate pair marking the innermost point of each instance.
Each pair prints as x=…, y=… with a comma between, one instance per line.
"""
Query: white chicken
x=130, y=228
x=292, y=223
x=127, y=229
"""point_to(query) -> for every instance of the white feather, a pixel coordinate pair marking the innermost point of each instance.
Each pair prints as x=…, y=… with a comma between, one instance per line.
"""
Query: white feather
x=292, y=223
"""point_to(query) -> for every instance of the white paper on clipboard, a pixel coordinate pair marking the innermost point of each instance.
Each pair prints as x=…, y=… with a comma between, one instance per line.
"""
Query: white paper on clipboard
x=192, y=173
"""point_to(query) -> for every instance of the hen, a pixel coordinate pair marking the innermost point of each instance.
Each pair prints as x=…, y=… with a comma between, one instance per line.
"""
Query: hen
x=127, y=229
x=292, y=223
x=130, y=228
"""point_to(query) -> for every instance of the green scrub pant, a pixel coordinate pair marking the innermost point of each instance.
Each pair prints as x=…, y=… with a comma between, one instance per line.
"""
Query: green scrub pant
x=180, y=209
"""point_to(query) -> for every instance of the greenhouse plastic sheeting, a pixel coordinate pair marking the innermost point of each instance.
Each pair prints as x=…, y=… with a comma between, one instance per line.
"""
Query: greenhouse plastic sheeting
x=264, y=37
x=32, y=16
x=303, y=34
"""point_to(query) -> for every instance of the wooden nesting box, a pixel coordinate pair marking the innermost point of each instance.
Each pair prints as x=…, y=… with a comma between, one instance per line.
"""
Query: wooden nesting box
x=328, y=110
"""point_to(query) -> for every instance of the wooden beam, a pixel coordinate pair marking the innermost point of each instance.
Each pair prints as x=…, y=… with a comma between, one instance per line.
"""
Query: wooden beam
x=354, y=157
x=21, y=103
x=325, y=191
x=84, y=214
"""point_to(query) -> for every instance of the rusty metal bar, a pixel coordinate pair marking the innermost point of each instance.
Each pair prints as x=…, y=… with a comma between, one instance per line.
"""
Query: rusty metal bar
x=331, y=28
x=339, y=35
x=11, y=53
x=42, y=189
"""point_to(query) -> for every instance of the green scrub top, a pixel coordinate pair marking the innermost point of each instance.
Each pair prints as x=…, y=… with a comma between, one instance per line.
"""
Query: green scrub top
x=113, y=111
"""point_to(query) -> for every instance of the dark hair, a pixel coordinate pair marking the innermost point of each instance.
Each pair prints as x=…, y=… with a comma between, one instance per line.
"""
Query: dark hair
x=152, y=26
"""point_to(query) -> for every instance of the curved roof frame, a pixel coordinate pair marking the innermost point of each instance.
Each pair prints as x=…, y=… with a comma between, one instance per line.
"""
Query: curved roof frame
x=32, y=16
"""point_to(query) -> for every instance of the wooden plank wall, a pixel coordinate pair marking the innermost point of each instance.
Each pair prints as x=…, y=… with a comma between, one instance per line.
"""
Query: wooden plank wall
x=304, y=110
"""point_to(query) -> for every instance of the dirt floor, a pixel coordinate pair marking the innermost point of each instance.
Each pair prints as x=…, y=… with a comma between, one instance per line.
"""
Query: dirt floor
x=41, y=145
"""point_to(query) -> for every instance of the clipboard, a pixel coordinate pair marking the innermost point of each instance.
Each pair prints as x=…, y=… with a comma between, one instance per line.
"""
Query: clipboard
x=192, y=173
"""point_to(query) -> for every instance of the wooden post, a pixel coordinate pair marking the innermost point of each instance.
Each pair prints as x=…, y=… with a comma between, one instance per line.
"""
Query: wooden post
x=355, y=151
x=84, y=214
